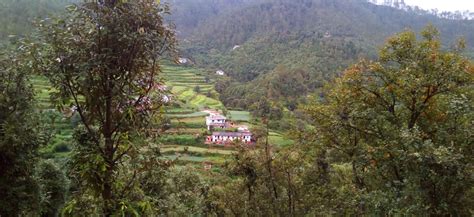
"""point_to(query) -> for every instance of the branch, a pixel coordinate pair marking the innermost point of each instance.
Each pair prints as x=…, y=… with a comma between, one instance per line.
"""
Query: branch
x=80, y=111
x=129, y=184
x=122, y=154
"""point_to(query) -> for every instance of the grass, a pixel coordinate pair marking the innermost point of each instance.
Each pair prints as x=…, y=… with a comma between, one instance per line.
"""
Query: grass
x=196, y=149
x=187, y=123
x=191, y=158
x=240, y=115
x=202, y=101
x=58, y=147
x=185, y=131
x=187, y=115
x=188, y=158
x=178, y=111
x=184, y=140
x=279, y=140
x=183, y=80
x=190, y=120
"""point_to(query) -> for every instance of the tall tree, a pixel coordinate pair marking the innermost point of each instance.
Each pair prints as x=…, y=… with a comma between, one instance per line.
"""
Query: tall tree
x=404, y=124
x=103, y=58
x=19, y=138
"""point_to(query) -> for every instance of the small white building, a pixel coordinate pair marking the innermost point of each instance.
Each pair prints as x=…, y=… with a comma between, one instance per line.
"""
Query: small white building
x=216, y=121
x=236, y=47
x=220, y=72
x=225, y=137
x=165, y=98
x=327, y=35
x=182, y=60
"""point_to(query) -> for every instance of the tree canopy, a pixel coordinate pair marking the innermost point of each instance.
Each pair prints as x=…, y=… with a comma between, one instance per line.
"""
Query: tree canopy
x=404, y=124
x=103, y=59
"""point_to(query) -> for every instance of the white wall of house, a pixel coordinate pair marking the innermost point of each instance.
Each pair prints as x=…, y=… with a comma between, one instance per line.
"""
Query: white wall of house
x=230, y=138
x=210, y=121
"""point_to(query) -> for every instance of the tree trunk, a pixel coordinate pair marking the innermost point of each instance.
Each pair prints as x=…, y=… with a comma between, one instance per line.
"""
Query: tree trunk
x=270, y=169
x=107, y=191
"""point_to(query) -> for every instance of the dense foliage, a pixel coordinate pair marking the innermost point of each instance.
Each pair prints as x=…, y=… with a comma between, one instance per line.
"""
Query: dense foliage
x=404, y=124
x=20, y=138
x=102, y=57
x=238, y=22
x=18, y=15
x=250, y=39
x=391, y=135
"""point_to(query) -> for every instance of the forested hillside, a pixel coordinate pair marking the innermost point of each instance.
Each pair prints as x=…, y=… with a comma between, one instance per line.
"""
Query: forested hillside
x=234, y=108
x=237, y=21
x=247, y=39
x=17, y=15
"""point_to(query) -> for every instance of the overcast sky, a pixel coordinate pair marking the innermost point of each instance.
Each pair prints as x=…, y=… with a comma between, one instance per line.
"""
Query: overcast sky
x=443, y=5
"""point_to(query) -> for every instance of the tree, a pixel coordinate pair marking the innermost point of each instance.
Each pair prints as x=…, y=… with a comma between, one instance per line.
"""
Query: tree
x=185, y=192
x=197, y=89
x=19, y=138
x=53, y=186
x=404, y=124
x=102, y=57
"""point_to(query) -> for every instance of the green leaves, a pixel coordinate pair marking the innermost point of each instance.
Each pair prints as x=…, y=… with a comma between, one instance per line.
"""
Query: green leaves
x=20, y=137
x=390, y=120
x=103, y=60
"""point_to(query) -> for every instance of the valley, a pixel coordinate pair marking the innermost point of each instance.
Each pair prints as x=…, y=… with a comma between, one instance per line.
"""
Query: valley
x=191, y=96
x=235, y=108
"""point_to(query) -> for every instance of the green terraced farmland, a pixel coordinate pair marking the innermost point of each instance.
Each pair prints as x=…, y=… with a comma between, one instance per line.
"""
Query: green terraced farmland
x=196, y=149
x=188, y=115
x=188, y=122
x=240, y=115
x=183, y=82
x=279, y=140
x=62, y=127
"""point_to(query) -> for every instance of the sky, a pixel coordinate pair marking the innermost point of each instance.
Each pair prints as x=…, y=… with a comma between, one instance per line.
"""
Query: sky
x=443, y=5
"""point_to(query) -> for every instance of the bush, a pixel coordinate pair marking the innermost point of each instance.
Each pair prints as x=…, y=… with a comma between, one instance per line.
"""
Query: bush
x=61, y=147
x=184, y=140
x=197, y=89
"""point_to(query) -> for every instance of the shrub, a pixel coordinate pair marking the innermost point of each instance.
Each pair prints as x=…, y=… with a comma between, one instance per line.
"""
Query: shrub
x=61, y=147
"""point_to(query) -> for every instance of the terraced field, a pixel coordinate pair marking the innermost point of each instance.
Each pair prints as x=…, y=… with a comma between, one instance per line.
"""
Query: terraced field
x=62, y=127
x=240, y=116
x=191, y=88
x=192, y=92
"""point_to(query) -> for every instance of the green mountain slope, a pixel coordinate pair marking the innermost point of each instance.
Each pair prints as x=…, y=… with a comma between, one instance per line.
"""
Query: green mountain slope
x=16, y=16
x=320, y=37
x=282, y=31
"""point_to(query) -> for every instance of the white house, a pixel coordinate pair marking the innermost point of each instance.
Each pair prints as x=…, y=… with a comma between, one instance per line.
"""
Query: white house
x=327, y=35
x=224, y=137
x=182, y=60
x=236, y=47
x=220, y=72
x=165, y=98
x=216, y=121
